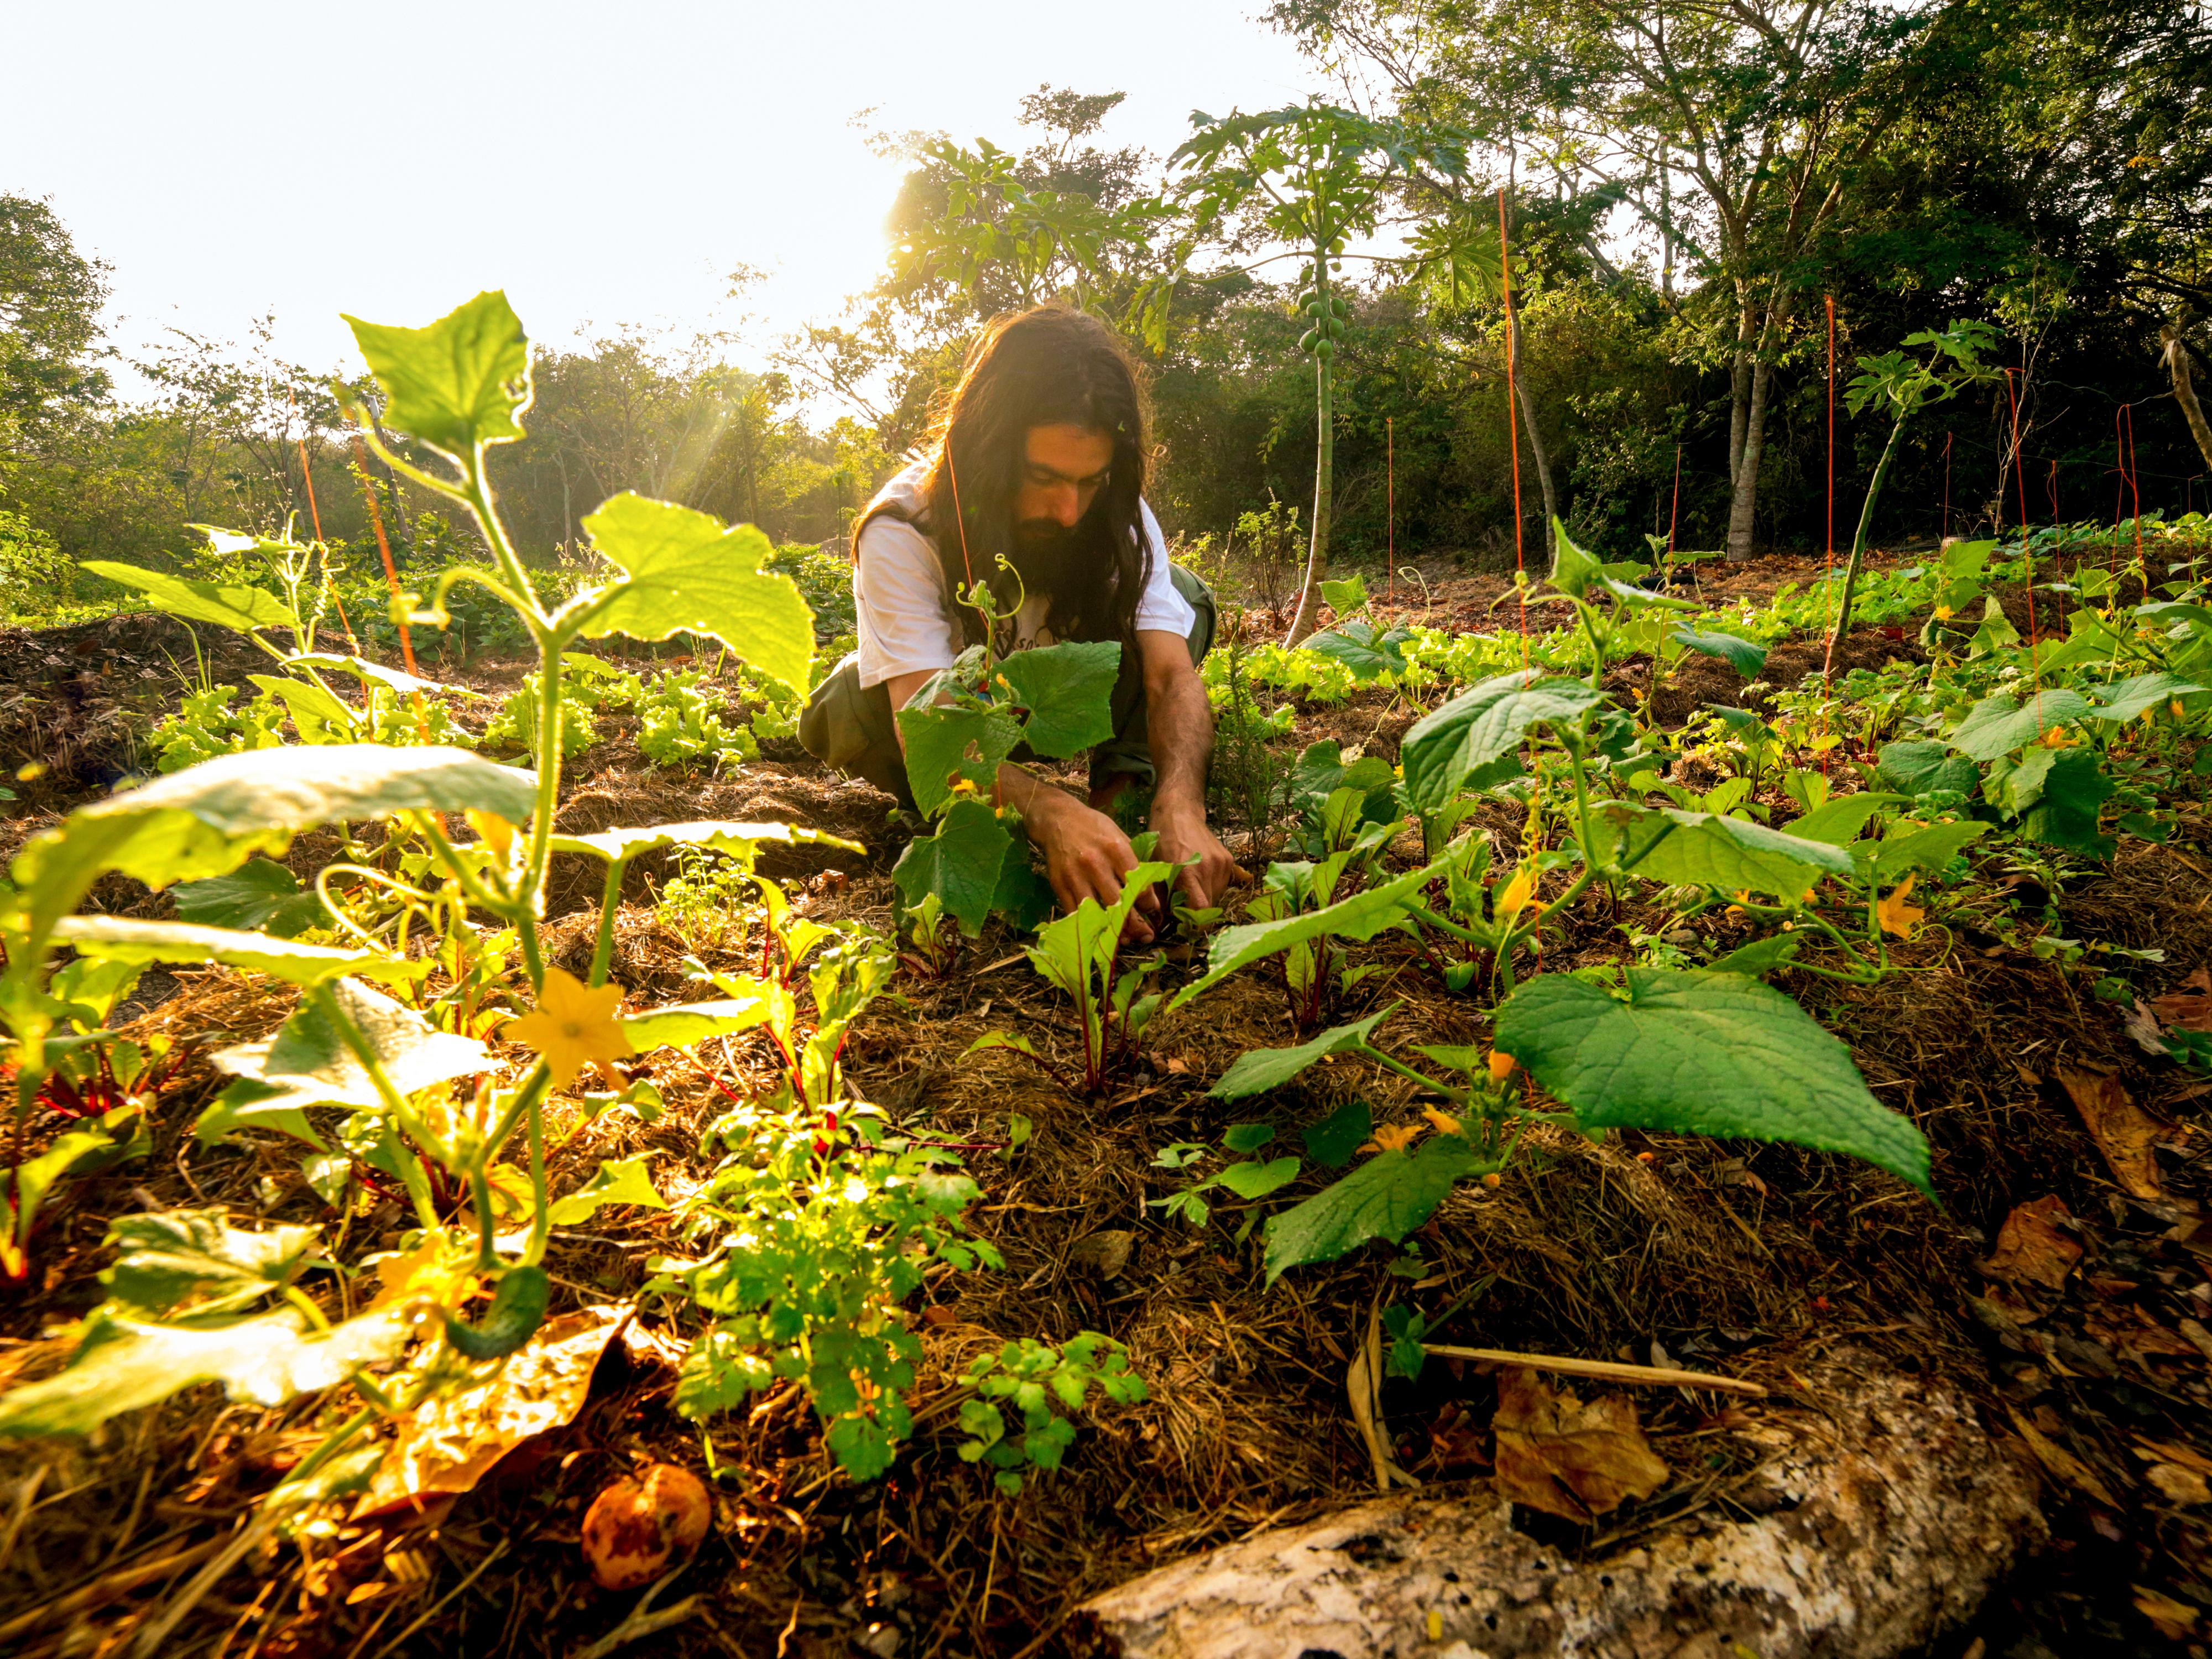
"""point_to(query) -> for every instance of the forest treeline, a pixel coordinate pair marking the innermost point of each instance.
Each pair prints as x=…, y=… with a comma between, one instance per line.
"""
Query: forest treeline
x=1682, y=187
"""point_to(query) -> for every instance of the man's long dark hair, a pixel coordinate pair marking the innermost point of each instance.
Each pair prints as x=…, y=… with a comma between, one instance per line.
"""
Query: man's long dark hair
x=1045, y=366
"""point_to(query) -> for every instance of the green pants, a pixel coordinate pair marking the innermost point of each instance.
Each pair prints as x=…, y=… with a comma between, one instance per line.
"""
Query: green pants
x=852, y=727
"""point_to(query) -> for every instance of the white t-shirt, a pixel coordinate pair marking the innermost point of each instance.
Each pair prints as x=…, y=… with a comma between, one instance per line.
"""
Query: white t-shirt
x=905, y=613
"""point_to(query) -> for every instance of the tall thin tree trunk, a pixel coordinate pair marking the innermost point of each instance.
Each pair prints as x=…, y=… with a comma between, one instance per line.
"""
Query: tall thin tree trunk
x=1529, y=421
x=1743, y=486
x=1307, y=616
x=2184, y=391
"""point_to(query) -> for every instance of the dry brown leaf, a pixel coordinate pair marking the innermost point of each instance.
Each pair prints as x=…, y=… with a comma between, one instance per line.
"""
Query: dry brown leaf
x=2142, y=1029
x=448, y=1445
x=2124, y=1131
x=2173, y=1451
x=1558, y=1454
x=2180, y=1485
x=1103, y=1255
x=2188, y=1008
x=2033, y=1247
x=2062, y=1464
x=2176, y=1620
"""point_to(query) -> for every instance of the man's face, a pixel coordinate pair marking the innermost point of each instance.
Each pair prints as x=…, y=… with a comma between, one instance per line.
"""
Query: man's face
x=1063, y=470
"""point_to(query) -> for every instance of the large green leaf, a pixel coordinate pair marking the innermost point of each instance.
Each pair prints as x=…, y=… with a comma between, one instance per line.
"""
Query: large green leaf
x=1258, y=1070
x=121, y=938
x=1837, y=820
x=1703, y=1052
x=2074, y=791
x=1931, y=849
x=209, y=818
x=170, y=1257
x=1366, y=651
x=2125, y=698
x=1362, y=916
x=123, y=1364
x=1733, y=855
x=1998, y=725
x=226, y=605
x=260, y=896
x=1068, y=691
x=686, y=572
x=308, y=1058
x=741, y=841
x=1482, y=724
x=1920, y=767
x=947, y=745
x=626, y=1182
x=1386, y=1198
x=1747, y=657
x=458, y=383
x=963, y=864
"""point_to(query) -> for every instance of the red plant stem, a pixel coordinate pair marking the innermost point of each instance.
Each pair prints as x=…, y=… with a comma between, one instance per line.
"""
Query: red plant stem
x=1513, y=418
x=383, y=543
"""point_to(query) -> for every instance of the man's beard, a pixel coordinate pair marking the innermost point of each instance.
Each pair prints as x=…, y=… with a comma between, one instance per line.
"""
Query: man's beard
x=1044, y=555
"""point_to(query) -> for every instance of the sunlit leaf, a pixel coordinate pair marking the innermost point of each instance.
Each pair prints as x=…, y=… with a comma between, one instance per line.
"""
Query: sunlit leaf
x=741, y=841
x=170, y=1257
x=962, y=863
x=125, y=1364
x=226, y=605
x=1068, y=691
x=1747, y=657
x=460, y=382
x=1481, y=726
x=626, y=1182
x=1998, y=725
x=686, y=572
x=1359, y=917
x=307, y=1056
x=122, y=939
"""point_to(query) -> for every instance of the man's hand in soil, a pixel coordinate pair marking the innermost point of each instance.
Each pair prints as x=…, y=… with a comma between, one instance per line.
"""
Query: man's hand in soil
x=1085, y=853
x=1185, y=836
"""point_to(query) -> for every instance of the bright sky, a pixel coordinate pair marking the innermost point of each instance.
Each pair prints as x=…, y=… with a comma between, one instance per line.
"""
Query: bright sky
x=231, y=158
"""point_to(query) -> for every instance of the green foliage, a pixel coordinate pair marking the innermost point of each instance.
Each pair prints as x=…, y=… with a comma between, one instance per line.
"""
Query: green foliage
x=826, y=1236
x=1703, y=1054
x=1045, y=1384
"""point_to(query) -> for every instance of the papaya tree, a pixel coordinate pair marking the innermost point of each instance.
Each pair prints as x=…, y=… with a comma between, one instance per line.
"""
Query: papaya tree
x=1306, y=180
x=1902, y=386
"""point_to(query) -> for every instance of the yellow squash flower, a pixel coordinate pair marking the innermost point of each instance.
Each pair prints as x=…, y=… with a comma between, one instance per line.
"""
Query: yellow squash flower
x=493, y=831
x=1894, y=915
x=1514, y=897
x=573, y=1025
x=1393, y=1138
x=1442, y=1122
x=1501, y=1065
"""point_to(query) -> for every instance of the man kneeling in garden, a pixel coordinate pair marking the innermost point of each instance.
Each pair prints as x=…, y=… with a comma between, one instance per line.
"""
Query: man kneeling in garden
x=1039, y=457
